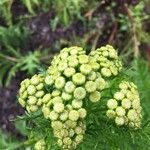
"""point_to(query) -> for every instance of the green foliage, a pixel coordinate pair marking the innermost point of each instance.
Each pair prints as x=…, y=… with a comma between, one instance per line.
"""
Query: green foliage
x=11, y=58
x=5, y=10
x=7, y=142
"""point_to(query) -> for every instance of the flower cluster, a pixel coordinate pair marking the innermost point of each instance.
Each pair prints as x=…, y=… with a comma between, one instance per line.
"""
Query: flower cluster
x=108, y=61
x=31, y=93
x=72, y=78
x=125, y=106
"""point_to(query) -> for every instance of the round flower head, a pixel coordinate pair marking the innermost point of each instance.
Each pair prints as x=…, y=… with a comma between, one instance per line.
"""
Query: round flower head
x=40, y=145
x=69, y=72
x=112, y=104
x=90, y=86
x=49, y=80
x=57, y=125
x=106, y=72
x=92, y=76
x=79, y=93
x=53, y=115
x=62, y=66
x=59, y=82
x=95, y=96
x=64, y=116
x=78, y=78
x=119, y=121
x=46, y=98
x=85, y=69
x=35, y=80
x=126, y=103
x=120, y=111
x=73, y=115
x=69, y=87
x=58, y=107
x=32, y=100
x=76, y=104
x=111, y=114
x=83, y=59
x=100, y=83
x=82, y=113
x=66, y=96
x=31, y=89
x=118, y=95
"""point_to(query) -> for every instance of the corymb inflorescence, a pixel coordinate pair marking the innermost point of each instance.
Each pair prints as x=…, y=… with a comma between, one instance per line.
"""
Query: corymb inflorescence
x=125, y=107
x=73, y=79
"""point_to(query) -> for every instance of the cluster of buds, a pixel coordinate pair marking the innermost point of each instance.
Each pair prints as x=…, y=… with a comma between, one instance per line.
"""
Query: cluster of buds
x=31, y=93
x=40, y=145
x=125, y=106
x=108, y=61
x=73, y=78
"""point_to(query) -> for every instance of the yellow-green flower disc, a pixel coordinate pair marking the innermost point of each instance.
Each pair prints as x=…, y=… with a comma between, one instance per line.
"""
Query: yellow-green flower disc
x=73, y=115
x=100, y=83
x=85, y=69
x=82, y=113
x=119, y=96
x=64, y=116
x=22, y=102
x=136, y=104
x=40, y=145
x=39, y=94
x=64, y=55
x=90, y=86
x=57, y=125
x=46, y=111
x=79, y=138
x=120, y=121
x=49, y=80
x=120, y=111
x=78, y=78
x=40, y=86
x=67, y=141
x=31, y=89
x=55, y=93
x=95, y=65
x=60, y=82
x=79, y=93
x=32, y=100
x=35, y=80
x=62, y=66
x=78, y=130
x=112, y=104
x=132, y=115
x=69, y=87
x=57, y=99
x=22, y=88
x=66, y=96
x=69, y=72
x=95, y=96
x=91, y=76
x=24, y=95
x=83, y=59
x=46, y=98
x=106, y=72
x=111, y=114
x=33, y=108
x=27, y=82
x=71, y=123
x=126, y=103
x=53, y=115
x=76, y=104
x=73, y=63
x=58, y=107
